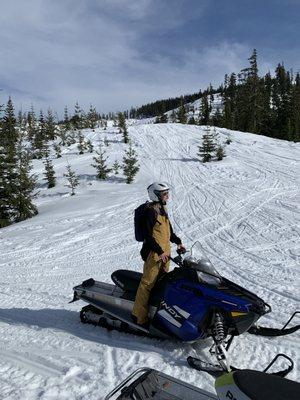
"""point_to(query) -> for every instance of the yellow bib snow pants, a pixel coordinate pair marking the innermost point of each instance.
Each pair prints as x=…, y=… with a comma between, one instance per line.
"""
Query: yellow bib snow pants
x=153, y=269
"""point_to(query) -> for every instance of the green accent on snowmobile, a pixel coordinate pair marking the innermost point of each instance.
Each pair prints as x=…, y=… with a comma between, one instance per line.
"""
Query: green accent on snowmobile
x=226, y=379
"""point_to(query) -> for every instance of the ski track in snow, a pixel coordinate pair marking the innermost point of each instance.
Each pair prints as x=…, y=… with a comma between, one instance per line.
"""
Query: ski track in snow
x=244, y=210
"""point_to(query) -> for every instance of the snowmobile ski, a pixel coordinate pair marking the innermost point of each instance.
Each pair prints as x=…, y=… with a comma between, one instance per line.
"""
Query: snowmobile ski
x=216, y=370
x=204, y=366
x=273, y=332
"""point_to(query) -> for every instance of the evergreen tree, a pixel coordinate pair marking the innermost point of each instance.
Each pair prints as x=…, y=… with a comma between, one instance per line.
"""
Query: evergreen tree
x=121, y=122
x=208, y=146
x=249, y=101
x=192, y=121
x=81, y=143
x=32, y=125
x=182, y=117
x=72, y=179
x=173, y=117
x=40, y=137
x=100, y=164
x=125, y=134
x=49, y=173
x=282, y=103
x=116, y=166
x=24, y=191
x=162, y=118
x=8, y=165
x=76, y=120
x=130, y=164
x=50, y=126
x=57, y=150
x=229, y=102
x=9, y=134
x=21, y=124
x=267, y=112
x=204, y=111
x=89, y=146
x=67, y=124
x=92, y=117
x=295, y=108
x=104, y=123
x=220, y=152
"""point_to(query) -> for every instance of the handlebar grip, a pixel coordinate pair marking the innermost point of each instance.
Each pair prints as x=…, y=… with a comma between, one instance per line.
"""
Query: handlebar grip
x=181, y=251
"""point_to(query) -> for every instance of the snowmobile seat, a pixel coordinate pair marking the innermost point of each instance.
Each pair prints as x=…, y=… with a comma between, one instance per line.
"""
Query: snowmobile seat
x=261, y=386
x=127, y=280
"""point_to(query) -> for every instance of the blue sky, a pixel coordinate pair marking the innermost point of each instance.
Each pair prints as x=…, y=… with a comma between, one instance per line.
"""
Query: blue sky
x=121, y=53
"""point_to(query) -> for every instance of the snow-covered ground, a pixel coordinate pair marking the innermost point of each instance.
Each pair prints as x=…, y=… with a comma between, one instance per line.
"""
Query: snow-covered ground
x=244, y=210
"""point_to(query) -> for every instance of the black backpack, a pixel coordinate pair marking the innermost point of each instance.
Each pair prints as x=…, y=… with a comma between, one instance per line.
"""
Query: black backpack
x=140, y=221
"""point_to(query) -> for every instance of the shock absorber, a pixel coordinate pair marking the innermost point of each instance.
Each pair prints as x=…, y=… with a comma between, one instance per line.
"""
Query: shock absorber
x=218, y=329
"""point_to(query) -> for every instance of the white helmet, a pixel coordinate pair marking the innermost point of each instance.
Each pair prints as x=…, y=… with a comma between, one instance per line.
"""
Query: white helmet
x=155, y=189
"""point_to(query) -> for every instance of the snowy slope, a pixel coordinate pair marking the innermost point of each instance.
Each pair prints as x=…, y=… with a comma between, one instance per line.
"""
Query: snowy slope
x=244, y=209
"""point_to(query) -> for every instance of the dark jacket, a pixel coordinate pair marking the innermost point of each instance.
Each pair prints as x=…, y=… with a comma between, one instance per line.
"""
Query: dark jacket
x=150, y=243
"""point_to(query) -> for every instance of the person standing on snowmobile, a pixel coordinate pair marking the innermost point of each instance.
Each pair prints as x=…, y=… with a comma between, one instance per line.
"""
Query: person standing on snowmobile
x=156, y=248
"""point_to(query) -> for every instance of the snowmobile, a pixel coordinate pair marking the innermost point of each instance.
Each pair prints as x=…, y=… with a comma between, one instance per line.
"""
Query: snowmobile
x=147, y=383
x=193, y=302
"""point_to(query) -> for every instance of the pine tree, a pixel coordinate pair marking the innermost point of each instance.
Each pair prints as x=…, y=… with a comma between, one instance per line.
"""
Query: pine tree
x=125, y=134
x=72, y=179
x=220, y=152
x=173, y=117
x=162, y=117
x=49, y=173
x=208, y=146
x=50, y=126
x=229, y=102
x=25, y=190
x=40, y=137
x=268, y=117
x=92, y=117
x=122, y=126
x=192, y=121
x=121, y=122
x=81, y=143
x=32, y=125
x=57, y=150
x=182, y=113
x=130, y=164
x=9, y=180
x=104, y=123
x=67, y=124
x=5, y=215
x=204, y=111
x=76, y=120
x=295, y=106
x=89, y=146
x=116, y=166
x=100, y=164
x=282, y=102
x=21, y=124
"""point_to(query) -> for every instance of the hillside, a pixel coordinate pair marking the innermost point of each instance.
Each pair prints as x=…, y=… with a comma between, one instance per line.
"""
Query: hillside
x=244, y=210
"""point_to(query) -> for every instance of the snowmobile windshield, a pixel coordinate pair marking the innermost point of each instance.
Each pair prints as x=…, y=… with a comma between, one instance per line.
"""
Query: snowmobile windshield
x=199, y=261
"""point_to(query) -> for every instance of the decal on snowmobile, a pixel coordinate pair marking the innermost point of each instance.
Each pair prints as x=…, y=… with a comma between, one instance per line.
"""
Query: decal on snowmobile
x=237, y=314
x=185, y=314
x=171, y=315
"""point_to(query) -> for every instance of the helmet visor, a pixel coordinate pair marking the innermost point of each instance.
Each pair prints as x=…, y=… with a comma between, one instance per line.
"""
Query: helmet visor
x=161, y=193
